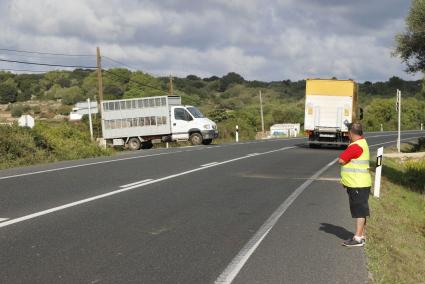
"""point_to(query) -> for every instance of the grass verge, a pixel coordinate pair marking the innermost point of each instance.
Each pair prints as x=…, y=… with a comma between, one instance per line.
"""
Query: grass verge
x=396, y=229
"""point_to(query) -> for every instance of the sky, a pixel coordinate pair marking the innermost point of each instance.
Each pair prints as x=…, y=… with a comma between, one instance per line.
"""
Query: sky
x=268, y=40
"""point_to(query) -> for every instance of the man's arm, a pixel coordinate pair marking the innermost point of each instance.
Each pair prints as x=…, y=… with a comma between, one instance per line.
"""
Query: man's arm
x=352, y=152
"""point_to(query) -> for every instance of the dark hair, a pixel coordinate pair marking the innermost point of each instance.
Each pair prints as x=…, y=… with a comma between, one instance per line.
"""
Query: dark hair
x=356, y=128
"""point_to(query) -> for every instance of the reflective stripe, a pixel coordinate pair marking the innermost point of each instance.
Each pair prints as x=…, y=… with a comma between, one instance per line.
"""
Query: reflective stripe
x=360, y=162
x=351, y=170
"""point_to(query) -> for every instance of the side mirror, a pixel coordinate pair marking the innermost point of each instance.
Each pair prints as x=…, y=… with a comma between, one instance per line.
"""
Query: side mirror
x=361, y=113
x=188, y=117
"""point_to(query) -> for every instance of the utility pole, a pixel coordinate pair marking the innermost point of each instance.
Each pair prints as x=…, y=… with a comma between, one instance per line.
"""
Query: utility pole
x=262, y=116
x=171, y=86
x=99, y=77
x=399, y=118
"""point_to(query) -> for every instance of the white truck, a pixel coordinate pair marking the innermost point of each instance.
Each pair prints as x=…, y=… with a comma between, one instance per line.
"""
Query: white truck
x=137, y=123
x=330, y=106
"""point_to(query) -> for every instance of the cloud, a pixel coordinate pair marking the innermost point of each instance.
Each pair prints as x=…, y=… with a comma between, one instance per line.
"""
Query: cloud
x=265, y=40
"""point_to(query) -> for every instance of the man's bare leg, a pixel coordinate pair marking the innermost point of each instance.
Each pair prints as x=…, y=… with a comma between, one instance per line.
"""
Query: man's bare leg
x=360, y=227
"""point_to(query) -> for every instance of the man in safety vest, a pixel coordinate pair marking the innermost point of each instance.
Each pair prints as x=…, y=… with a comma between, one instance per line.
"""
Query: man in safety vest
x=355, y=177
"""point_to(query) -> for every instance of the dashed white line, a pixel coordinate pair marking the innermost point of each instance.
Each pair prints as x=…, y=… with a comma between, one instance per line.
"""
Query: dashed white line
x=137, y=182
x=127, y=188
x=209, y=164
x=3, y=219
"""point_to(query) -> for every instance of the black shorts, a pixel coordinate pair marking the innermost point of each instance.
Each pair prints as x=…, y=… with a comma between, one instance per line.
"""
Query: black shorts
x=359, y=201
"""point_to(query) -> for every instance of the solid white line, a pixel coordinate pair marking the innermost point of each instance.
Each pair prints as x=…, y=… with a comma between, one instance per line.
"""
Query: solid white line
x=79, y=202
x=137, y=182
x=3, y=219
x=389, y=142
x=242, y=257
x=252, y=154
x=210, y=164
x=84, y=165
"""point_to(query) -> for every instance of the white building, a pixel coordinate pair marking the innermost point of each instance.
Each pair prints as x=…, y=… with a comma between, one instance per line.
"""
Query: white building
x=26, y=121
x=285, y=129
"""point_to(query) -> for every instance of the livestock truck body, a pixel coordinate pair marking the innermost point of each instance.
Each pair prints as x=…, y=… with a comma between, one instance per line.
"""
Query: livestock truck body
x=137, y=123
x=330, y=106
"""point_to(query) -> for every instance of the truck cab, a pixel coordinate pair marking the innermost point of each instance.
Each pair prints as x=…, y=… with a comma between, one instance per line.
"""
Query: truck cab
x=188, y=123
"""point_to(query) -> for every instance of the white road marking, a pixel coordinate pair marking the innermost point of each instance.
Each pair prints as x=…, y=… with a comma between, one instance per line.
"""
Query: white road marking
x=84, y=165
x=210, y=164
x=3, y=219
x=137, y=182
x=93, y=198
x=389, y=142
x=232, y=270
x=242, y=257
x=252, y=154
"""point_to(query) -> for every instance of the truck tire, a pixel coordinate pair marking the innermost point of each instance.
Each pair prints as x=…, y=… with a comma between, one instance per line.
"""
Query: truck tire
x=147, y=145
x=207, y=141
x=133, y=144
x=195, y=139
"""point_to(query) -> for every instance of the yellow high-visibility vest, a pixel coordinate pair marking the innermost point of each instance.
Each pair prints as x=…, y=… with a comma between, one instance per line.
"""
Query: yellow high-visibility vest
x=356, y=172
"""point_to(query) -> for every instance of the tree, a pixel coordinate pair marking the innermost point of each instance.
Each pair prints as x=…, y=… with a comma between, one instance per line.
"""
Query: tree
x=229, y=79
x=8, y=91
x=411, y=43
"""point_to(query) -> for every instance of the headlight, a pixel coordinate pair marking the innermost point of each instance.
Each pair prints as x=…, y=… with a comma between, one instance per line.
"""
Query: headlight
x=207, y=126
x=214, y=126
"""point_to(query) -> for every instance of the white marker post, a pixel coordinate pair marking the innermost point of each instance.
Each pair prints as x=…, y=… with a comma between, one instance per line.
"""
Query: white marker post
x=237, y=134
x=90, y=122
x=398, y=106
x=378, y=171
x=382, y=128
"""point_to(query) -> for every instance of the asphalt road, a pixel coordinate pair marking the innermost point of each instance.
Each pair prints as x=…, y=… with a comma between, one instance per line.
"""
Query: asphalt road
x=255, y=212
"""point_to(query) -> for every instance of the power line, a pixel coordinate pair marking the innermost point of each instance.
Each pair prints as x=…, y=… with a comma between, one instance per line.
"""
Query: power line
x=46, y=53
x=48, y=64
x=135, y=81
x=25, y=70
x=118, y=62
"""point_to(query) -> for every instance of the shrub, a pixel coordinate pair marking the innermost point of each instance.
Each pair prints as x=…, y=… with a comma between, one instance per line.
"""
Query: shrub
x=415, y=174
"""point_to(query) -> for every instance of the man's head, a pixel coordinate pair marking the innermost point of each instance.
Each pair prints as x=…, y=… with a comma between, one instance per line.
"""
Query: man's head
x=355, y=131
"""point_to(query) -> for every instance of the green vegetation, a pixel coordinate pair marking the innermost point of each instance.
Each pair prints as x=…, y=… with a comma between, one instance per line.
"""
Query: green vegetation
x=396, y=229
x=47, y=142
x=411, y=43
x=230, y=100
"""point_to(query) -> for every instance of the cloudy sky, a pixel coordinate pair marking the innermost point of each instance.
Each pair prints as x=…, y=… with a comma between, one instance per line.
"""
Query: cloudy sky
x=261, y=40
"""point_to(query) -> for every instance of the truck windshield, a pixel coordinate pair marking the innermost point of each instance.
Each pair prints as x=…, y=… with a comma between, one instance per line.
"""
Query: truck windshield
x=195, y=112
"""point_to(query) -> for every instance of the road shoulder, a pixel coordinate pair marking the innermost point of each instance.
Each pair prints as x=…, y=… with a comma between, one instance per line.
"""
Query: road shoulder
x=305, y=244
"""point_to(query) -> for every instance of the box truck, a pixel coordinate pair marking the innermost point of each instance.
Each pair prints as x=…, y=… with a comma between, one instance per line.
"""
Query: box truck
x=137, y=123
x=330, y=106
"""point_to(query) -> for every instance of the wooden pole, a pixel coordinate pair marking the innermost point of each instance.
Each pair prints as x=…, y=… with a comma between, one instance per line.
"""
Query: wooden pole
x=262, y=116
x=99, y=76
x=171, y=86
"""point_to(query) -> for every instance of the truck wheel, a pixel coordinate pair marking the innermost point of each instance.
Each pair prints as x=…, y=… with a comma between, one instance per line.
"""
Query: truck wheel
x=133, y=144
x=147, y=145
x=207, y=141
x=195, y=139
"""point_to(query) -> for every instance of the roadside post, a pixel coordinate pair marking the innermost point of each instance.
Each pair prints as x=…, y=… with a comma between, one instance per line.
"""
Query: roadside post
x=382, y=128
x=398, y=107
x=90, y=121
x=422, y=126
x=237, y=134
x=378, y=172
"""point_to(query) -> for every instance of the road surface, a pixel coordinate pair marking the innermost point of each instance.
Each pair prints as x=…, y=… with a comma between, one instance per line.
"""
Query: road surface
x=255, y=212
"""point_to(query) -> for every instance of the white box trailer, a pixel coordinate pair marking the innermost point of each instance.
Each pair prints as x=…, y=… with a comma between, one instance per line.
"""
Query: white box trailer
x=330, y=106
x=141, y=121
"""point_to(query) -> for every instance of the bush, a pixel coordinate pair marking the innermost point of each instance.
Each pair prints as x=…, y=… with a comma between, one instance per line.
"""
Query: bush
x=18, y=109
x=415, y=175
